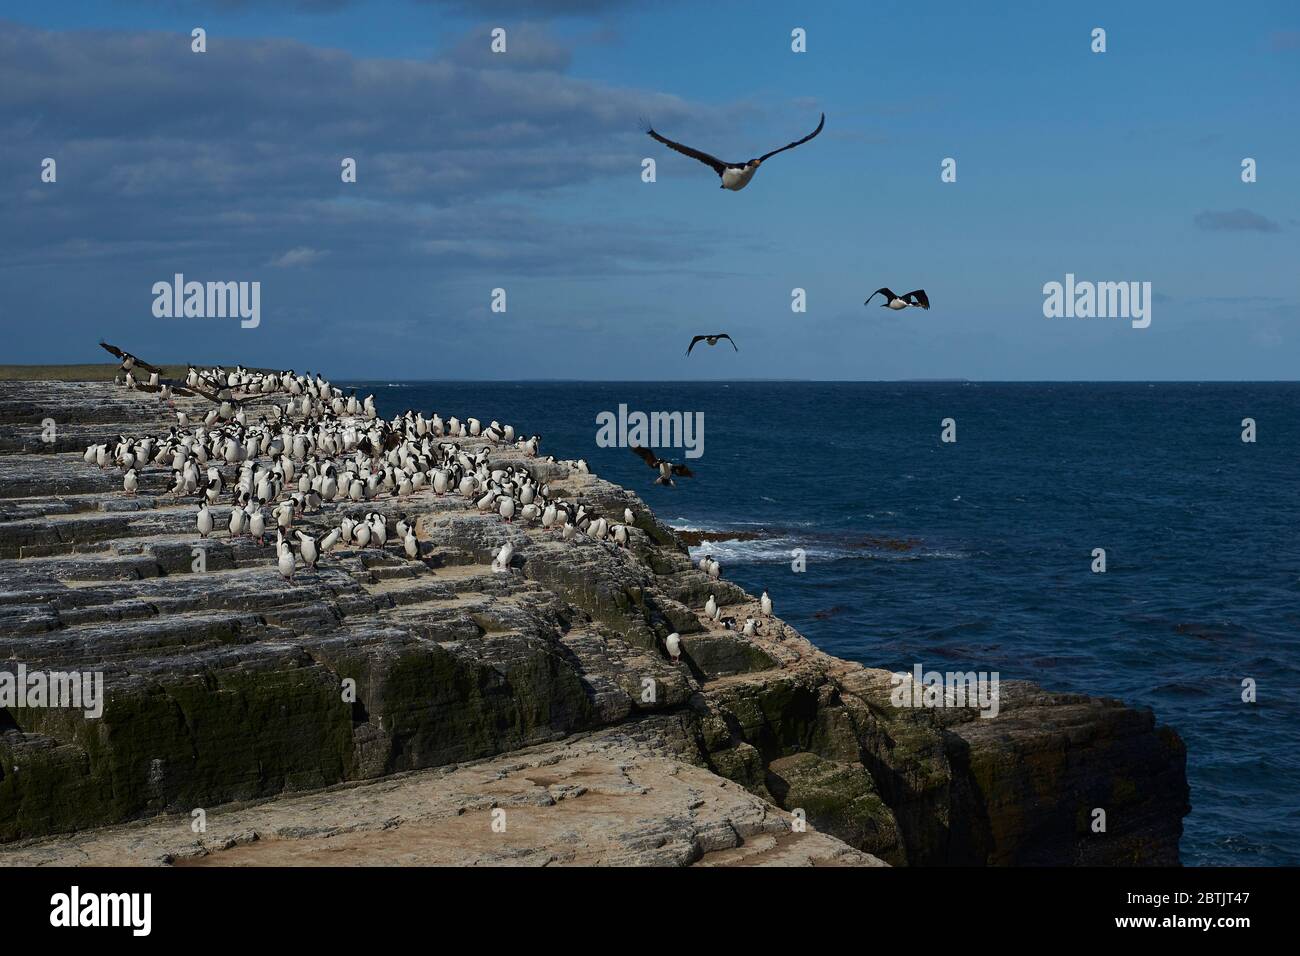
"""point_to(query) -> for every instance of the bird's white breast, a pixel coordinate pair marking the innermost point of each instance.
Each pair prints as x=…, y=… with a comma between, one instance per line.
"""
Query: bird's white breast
x=737, y=178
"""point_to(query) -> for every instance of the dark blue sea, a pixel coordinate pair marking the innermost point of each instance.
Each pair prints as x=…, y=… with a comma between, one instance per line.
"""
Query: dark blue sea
x=977, y=555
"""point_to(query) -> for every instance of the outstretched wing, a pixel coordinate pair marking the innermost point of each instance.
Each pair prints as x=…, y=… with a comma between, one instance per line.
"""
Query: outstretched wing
x=209, y=381
x=218, y=398
x=646, y=455
x=717, y=165
x=140, y=363
x=682, y=471
x=889, y=296
x=698, y=338
x=178, y=388
x=724, y=335
x=918, y=298
x=797, y=142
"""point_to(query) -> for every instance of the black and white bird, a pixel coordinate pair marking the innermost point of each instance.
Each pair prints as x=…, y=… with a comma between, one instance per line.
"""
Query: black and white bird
x=892, y=301
x=501, y=562
x=204, y=520
x=734, y=176
x=667, y=470
x=285, y=559
x=309, y=548
x=711, y=340
x=129, y=361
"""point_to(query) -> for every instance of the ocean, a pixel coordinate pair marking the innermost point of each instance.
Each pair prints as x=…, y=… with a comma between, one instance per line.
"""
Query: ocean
x=978, y=554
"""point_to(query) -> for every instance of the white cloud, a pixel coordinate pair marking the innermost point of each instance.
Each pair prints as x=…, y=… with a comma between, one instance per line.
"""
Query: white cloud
x=300, y=256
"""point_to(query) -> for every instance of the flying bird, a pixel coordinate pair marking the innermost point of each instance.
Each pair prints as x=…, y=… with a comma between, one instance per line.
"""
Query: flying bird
x=712, y=340
x=667, y=470
x=129, y=361
x=166, y=386
x=221, y=395
x=896, y=302
x=735, y=176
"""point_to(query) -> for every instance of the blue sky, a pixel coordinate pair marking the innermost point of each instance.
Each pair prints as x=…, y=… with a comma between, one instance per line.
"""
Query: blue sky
x=522, y=172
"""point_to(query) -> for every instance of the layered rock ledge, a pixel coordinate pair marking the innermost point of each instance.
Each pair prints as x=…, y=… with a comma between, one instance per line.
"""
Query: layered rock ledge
x=498, y=717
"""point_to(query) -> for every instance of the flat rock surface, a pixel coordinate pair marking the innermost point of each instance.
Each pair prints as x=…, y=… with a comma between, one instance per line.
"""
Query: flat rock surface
x=600, y=800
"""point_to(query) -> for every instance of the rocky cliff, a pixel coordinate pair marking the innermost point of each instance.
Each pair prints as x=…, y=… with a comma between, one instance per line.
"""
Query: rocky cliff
x=544, y=692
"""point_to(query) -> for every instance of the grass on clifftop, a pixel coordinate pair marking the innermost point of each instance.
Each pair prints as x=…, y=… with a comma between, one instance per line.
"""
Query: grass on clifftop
x=77, y=373
x=95, y=372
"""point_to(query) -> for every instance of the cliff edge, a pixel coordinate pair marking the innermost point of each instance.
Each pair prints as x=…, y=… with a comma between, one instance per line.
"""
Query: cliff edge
x=530, y=716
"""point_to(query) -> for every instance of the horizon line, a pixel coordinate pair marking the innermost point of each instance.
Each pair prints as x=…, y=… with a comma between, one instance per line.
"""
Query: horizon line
x=914, y=380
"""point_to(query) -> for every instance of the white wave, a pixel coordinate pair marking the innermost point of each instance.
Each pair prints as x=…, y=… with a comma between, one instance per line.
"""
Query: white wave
x=681, y=524
x=780, y=549
x=762, y=551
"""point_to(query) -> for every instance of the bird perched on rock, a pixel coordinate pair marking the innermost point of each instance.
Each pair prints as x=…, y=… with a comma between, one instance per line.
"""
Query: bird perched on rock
x=285, y=560
x=284, y=515
x=378, y=530
x=502, y=560
x=765, y=603
x=257, y=524
x=674, y=644
x=204, y=520
x=309, y=547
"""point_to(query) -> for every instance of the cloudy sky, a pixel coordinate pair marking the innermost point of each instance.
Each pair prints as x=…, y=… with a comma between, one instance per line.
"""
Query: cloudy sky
x=522, y=171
